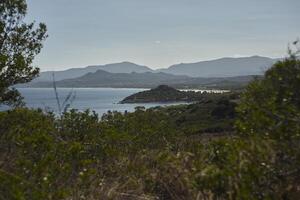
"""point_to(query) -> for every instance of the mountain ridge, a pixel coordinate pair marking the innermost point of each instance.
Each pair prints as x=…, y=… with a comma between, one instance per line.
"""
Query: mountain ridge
x=124, y=67
x=224, y=71
x=103, y=79
x=222, y=67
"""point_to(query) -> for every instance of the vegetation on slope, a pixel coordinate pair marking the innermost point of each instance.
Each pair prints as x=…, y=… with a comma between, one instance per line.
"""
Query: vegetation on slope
x=161, y=153
x=82, y=156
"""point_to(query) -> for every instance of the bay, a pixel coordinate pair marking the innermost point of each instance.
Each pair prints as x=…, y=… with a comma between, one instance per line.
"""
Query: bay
x=100, y=100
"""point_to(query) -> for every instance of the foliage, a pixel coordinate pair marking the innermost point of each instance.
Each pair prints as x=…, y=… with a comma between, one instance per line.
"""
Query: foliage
x=175, y=152
x=271, y=106
x=179, y=152
x=214, y=113
x=79, y=155
x=270, y=110
x=19, y=44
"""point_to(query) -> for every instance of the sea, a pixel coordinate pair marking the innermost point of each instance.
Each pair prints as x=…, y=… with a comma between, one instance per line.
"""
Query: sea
x=100, y=100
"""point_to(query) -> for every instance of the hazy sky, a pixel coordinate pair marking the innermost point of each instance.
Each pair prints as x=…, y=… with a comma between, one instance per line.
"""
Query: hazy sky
x=159, y=33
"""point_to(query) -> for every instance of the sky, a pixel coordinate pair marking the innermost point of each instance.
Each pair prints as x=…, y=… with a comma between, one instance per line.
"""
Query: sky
x=160, y=33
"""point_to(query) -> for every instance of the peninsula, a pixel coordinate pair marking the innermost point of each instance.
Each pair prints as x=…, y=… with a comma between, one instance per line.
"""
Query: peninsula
x=162, y=93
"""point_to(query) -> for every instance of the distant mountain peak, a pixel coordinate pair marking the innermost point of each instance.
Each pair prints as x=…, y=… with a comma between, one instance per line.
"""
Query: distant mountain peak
x=122, y=67
x=128, y=63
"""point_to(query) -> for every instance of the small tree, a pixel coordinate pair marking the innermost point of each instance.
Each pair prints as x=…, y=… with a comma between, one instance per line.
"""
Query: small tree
x=270, y=111
x=19, y=44
x=271, y=106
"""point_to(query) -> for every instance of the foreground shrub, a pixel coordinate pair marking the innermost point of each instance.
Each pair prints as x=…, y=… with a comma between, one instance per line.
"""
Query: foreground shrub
x=158, y=153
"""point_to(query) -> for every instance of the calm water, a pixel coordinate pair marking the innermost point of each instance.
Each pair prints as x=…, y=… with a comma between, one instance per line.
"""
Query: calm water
x=100, y=100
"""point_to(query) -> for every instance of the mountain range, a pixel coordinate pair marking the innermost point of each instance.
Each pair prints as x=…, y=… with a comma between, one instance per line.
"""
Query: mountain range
x=124, y=67
x=104, y=79
x=224, y=67
x=224, y=71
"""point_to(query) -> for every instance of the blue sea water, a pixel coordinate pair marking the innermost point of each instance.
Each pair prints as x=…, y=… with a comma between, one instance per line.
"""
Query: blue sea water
x=99, y=100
